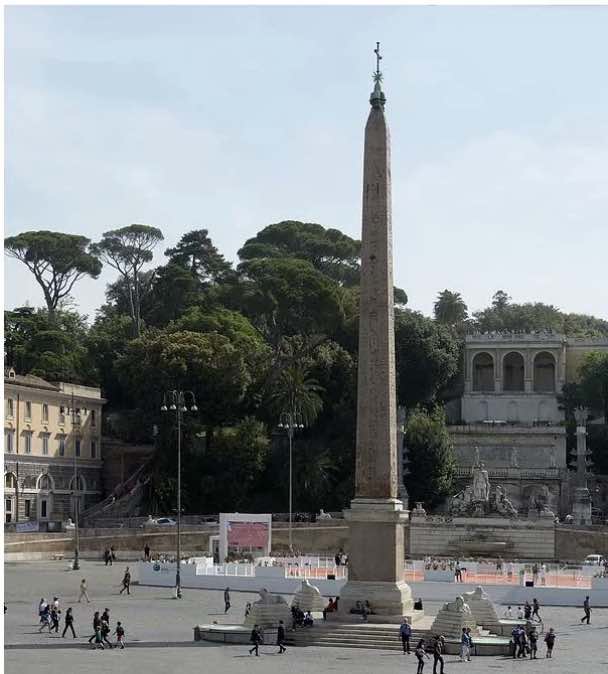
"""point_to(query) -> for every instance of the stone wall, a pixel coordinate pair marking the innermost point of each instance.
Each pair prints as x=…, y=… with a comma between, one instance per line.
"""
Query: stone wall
x=320, y=538
x=482, y=537
x=574, y=544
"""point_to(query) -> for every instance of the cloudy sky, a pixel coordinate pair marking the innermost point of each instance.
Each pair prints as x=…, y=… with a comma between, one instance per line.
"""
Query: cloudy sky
x=235, y=118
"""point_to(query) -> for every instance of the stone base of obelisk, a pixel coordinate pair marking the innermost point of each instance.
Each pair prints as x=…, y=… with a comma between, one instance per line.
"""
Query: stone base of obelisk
x=376, y=561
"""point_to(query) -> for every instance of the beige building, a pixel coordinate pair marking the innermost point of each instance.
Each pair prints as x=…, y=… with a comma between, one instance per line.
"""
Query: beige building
x=52, y=448
x=510, y=415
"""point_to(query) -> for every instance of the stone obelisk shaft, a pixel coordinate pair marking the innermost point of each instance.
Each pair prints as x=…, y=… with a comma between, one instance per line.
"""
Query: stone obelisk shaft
x=376, y=472
x=376, y=516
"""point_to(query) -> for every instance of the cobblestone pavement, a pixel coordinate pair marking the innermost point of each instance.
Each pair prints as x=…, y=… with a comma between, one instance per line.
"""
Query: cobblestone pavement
x=159, y=633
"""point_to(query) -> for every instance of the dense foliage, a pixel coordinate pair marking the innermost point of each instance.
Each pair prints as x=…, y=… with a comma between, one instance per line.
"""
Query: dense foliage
x=275, y=334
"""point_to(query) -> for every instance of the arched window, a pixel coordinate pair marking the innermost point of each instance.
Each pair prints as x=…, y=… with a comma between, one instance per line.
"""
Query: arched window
x=513, y=372
x=544, y=372
x=44, y=483
x=10, y=481
x=81, y=484
x=483, y=372
x=512, y=412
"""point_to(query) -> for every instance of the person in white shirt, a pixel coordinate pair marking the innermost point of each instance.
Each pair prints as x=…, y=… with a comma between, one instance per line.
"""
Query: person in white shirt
x=520, y=613
x=509, y=613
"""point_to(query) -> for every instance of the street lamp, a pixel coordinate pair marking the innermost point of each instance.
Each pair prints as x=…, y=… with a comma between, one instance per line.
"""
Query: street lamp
x=75, y=492
x=177, y=403
x=291, y=421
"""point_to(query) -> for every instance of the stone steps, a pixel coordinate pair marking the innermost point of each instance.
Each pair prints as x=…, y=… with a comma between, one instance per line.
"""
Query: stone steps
x=349, y=636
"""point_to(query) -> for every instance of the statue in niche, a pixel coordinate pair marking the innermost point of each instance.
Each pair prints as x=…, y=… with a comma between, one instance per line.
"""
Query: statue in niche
x=552, y=458
x=514, y=457
x=481, y=484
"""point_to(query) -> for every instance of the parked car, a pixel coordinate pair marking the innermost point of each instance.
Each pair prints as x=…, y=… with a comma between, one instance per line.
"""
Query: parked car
x=165, y=522
x=593, y=560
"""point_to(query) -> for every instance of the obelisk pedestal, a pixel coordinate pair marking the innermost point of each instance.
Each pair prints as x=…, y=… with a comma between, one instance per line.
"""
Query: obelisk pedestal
x=376, y=517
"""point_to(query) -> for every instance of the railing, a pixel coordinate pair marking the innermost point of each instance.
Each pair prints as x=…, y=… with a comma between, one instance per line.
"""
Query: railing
x=512, y=573
x=526, y=473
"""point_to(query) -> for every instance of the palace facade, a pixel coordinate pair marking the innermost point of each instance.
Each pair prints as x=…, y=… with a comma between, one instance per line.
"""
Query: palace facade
x=52, y=448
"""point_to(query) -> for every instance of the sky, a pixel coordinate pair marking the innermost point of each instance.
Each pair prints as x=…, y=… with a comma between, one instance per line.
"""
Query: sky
x=233, y=118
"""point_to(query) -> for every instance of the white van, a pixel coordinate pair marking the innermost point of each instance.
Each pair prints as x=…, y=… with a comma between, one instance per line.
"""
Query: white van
x=593, y=560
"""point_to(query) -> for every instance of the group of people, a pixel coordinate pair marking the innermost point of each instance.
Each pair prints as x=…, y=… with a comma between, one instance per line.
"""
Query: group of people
x=109, y=555
x=49, y=612
x=102, y=629
x=257, y=638
x=300, y=618
x=341, y=558
x=527, y=612
x=526, y=643
x=437, y=648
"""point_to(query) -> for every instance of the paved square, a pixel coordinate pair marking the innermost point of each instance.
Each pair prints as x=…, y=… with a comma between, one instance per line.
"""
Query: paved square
x=165, y=625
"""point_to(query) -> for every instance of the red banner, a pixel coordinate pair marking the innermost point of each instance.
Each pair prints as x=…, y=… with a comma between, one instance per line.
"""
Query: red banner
x=247, y=534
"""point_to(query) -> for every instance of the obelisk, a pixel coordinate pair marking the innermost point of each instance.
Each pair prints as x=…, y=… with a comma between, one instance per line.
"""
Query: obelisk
x=376, y=516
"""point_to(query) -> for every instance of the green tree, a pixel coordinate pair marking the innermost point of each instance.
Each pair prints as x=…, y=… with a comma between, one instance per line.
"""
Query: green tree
x=293, y=389
x=594, y=381
x=173, y=290
x=431, y=456
x=330, y=251
x=209, y=364
x=230, y=470
x=195, y=251
x=127, y=250
x=56, y=260
x=290, y=297
x=500, y=300
x=450, y=308
x=54, y=349
x=427, y=356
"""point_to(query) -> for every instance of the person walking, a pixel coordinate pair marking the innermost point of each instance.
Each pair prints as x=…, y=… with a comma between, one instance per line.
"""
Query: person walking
x=438, y=648
x=533, y=639
x=96, y=626
x=126, y=581
x=45, y=618
x=587, y=609
x=120, y=634
x=226, y=600
x=527, y=610
x=405, y=632
x=465, y=647
x=521, y=642
x=550, y=642
x=471, y=645
x=83, y=591
x=146, y=552
x=536, y=609
x=98, y=638
x=54, y=620
x=105, y=630
x=106, y=556
x=420, y=652
x=281, y=637
x=255, y=639
x=69, y=623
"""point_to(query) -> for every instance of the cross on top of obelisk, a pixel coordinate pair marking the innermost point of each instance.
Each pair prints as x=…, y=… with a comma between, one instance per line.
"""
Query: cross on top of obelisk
x=377, y=99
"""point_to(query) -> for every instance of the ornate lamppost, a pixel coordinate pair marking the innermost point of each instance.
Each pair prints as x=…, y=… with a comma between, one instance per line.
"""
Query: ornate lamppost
x=176, y=400
x=291, y=421
x=76, y=491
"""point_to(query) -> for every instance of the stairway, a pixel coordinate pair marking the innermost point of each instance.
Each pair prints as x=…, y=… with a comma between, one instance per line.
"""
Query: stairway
x=366, y=635
x=122, y=502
